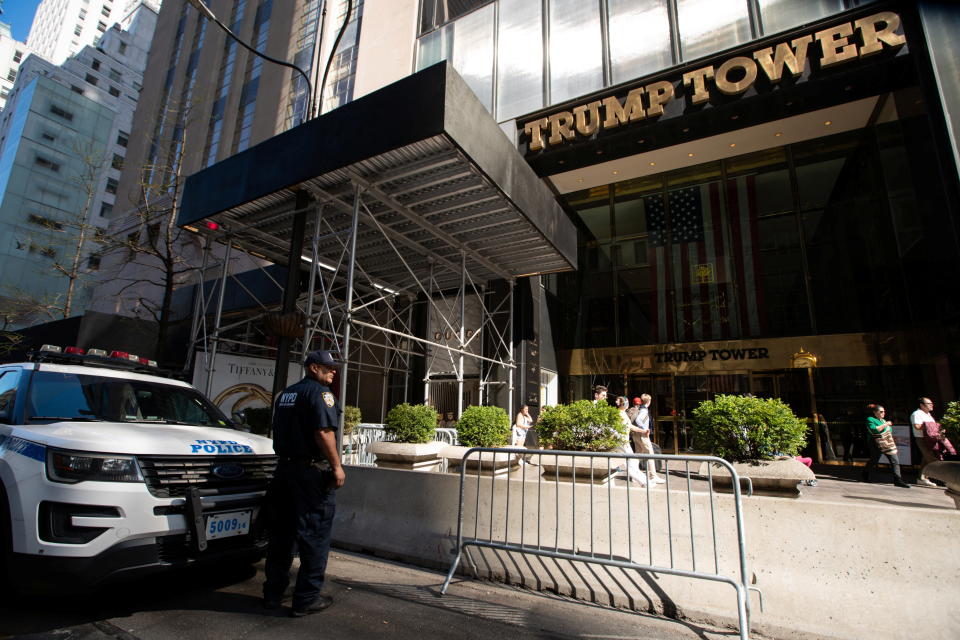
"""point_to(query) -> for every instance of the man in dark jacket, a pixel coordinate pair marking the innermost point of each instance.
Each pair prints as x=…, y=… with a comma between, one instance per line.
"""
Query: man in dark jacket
x=301, y=500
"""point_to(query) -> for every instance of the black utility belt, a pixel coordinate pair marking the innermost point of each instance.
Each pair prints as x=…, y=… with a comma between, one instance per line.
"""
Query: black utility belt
x=321, y=464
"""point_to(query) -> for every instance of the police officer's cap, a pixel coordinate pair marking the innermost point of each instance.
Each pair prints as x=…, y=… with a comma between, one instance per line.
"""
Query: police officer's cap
x=321, y=357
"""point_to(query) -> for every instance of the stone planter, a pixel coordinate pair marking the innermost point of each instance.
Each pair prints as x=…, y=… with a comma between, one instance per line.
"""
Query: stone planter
x=407, y=456
x=949, y=474
x=779, y=478
x=579, y=469
x=485, y=464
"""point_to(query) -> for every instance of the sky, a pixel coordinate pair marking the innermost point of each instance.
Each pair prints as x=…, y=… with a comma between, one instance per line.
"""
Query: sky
x=19, y=14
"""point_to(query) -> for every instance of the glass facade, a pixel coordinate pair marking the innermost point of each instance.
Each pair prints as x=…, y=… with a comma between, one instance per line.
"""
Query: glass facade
x=544, y=52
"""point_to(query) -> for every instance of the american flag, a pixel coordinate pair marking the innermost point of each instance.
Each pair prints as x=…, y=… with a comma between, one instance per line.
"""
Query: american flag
x=705, y=261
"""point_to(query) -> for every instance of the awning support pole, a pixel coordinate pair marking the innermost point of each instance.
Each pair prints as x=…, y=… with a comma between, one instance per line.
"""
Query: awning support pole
x=427, y=359
x=198, y=306
x=348, y=311
x=291, y=290
x=224, y=270
x=314, y=258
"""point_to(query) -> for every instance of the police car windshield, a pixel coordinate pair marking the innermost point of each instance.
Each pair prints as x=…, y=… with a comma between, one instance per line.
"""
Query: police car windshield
x=83, y=397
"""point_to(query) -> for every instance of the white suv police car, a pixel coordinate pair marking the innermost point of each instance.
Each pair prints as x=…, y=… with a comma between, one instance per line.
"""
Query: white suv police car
x=107, y=470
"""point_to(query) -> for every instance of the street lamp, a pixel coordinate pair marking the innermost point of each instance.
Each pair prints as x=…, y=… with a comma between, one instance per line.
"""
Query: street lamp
x=205, y=11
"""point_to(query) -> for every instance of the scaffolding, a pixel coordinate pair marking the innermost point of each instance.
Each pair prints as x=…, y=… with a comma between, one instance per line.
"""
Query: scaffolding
x=400, y=257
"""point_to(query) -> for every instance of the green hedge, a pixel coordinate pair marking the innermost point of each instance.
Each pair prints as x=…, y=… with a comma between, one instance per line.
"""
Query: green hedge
x=415, y=423
x=739, y=428
x=483, y=427
x=351, y=418
x=951, y=422
x=581, y=426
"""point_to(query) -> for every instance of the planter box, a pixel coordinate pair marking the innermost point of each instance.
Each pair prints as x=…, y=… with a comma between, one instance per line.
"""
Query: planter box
x=581, y=469
x=949, y=474
x=406, y=455
x=489, y=465
x=780, y=478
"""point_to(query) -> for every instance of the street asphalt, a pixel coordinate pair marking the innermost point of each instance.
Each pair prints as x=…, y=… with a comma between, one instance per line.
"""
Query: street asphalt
x=374, y=598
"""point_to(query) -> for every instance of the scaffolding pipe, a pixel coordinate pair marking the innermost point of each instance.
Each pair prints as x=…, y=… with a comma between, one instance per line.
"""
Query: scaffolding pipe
x=347, y=321
x=216, y=320
x=481, y=387
x=314, y=260
x=427, y=360
x=463, y=330
x=199, y=307
x=511, y=358
x=406, y=374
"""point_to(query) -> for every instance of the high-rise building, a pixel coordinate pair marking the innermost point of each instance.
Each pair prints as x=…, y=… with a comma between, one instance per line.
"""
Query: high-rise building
x=62, y=27
x=12, y=54
x=759, y=185
x=63, y=140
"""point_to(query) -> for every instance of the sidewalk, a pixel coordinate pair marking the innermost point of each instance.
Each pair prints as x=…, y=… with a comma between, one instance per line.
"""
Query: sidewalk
x=373, y=598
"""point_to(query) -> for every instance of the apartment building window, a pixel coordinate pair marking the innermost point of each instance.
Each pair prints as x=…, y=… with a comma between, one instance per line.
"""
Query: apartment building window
x=123, y=138
x=117, y=162
x=83, y=14
x=101, y=26
x=114, y=92
x=95, y=64
x=17, y=56
x=122, y=49
x=77, y=30
x=91, y=79
x=111, y=186
x=93, y=262
x=49, y=137
x=47, y=163
x=76, y=89
x=12, y=75
x=105, y=11
x=115, y=75
x=106, y=209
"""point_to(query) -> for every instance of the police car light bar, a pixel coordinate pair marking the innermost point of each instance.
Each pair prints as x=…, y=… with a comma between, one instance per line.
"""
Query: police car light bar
x=123, y=356
x=97, y=352
x=50, y=348
x=77, y=351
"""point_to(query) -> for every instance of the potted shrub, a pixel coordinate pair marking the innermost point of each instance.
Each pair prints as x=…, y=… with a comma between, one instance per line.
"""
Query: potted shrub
x=481, y=427
x=410, y=429
x=580, y=426
x=760, y=436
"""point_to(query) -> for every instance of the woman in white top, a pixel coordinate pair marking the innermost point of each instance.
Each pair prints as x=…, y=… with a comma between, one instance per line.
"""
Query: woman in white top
x=520, y=426
x=633, y=465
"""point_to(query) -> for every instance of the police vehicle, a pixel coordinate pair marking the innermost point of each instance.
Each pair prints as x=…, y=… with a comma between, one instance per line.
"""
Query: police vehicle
x=109, y=469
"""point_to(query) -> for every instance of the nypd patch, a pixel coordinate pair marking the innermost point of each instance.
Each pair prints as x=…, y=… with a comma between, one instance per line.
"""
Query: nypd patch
x=328, y=399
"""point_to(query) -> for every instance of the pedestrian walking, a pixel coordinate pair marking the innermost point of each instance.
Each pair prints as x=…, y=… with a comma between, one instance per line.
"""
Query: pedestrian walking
x=930, y=438
x=301, y=499
x=599, y=394
x=633, y=465
x=881, y=442
x=634, y=409
x=643, y=424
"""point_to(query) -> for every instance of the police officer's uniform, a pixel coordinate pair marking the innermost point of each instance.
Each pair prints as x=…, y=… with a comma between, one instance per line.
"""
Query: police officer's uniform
x=301, y=499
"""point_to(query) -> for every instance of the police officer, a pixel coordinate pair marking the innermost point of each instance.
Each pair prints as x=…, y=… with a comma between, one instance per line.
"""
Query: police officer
x=300, y=501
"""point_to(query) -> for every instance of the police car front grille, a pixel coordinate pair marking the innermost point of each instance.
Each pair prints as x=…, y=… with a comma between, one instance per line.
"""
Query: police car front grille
x=171, y=476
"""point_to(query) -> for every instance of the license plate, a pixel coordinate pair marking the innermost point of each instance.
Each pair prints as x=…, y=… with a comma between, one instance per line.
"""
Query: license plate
x=225, y=525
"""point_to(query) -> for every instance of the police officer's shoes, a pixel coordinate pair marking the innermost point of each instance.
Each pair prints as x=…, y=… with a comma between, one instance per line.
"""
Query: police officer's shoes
x=321, y=603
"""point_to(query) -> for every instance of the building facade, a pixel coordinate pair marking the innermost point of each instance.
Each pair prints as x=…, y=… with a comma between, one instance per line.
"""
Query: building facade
x=63, y=141
x=12, y=54
x=61, y=28
x=766, y=191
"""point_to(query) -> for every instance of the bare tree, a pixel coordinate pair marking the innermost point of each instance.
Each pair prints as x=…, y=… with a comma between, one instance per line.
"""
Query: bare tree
x=152, y=255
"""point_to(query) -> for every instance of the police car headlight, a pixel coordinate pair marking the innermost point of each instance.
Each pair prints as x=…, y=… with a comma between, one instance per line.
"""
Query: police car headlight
x=71, y=467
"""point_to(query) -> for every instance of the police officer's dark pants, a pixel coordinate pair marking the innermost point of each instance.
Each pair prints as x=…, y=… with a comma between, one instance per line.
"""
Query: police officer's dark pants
x=301, y=511
x=875, y=458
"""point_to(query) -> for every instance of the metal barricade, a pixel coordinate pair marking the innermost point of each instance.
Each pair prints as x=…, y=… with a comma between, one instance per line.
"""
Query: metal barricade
x=548, y=526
